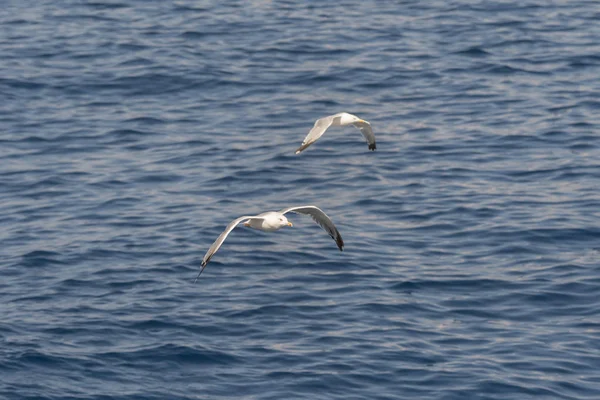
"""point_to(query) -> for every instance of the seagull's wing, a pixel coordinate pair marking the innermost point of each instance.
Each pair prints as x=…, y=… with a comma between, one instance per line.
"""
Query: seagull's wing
x=365, y=129
x=320, y=218
x=316, y=132
x=215, y=246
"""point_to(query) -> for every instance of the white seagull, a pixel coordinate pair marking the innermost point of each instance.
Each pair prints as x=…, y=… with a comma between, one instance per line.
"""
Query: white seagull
x=341, y=119
x=272, y=221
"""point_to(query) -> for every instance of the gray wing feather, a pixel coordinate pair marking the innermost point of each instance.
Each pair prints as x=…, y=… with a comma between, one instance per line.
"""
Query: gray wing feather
x=320, y=218
x=316, y=132
x=217, y=244
x=365, y=129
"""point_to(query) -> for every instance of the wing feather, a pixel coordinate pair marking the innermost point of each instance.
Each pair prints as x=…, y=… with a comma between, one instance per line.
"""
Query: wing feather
x=365, y=129
x=316, y=132
x=217, y=244
x=320, y=218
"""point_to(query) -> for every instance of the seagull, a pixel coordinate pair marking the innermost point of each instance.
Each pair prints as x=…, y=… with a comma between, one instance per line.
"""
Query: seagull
x=341, y=119
x=272, y=221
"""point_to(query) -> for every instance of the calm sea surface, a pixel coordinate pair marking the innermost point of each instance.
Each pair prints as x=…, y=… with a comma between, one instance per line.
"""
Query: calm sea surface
x=132, y=132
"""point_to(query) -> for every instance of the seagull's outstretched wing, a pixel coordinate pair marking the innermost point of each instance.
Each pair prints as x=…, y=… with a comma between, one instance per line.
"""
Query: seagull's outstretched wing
x=316, y=132
x=365, y=129
x=215, y=246
x=320, y=218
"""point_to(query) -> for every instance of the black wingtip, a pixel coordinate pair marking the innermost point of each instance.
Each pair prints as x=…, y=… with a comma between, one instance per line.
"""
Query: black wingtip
x=372, y=146
x=302, y=148
x=340, y=243
x=203, y=265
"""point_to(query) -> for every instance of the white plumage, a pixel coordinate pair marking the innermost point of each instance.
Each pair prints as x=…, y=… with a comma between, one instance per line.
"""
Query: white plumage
x=272, y=221
x=341, y=119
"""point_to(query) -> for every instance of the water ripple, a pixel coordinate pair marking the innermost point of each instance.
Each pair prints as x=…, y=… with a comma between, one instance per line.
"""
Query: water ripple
x=133, y=132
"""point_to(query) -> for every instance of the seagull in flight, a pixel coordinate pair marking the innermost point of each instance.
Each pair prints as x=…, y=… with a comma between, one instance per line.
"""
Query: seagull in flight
x=272, y=221
x=341, y=119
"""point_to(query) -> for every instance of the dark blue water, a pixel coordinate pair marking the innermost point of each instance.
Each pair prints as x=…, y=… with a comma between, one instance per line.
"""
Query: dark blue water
x=132, y=132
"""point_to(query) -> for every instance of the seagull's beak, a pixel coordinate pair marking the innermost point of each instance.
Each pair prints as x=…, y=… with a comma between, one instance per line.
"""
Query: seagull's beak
x=361, y=121
x=290, y=224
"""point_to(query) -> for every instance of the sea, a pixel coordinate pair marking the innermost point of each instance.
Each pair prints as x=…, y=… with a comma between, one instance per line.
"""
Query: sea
x=133, y=131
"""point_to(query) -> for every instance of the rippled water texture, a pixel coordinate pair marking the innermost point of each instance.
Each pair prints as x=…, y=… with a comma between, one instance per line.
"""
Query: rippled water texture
x=132, y=132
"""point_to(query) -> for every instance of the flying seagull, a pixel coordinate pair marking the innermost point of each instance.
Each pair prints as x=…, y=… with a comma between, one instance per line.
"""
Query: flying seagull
x=341, y=119
x=272, y=221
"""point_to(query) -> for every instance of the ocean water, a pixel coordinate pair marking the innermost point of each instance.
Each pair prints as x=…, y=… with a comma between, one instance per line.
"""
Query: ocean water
x=132, y=132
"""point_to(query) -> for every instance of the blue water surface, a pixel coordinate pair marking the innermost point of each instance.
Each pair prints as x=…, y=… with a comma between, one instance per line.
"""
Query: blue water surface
x=133, y=131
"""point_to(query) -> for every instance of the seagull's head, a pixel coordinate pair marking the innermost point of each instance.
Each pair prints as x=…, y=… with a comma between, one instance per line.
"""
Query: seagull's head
x=348, y=119
x=283, y=221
